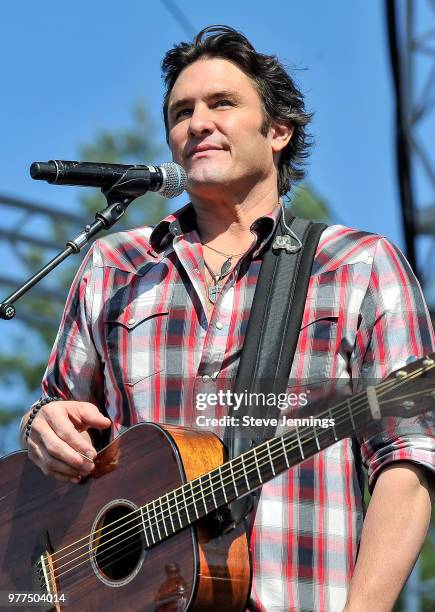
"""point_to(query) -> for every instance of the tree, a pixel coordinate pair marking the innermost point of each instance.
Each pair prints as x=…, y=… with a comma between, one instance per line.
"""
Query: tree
x=305, y=202
x=22, y=368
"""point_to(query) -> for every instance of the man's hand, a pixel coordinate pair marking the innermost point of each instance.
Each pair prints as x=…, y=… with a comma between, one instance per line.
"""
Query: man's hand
x=58, y=439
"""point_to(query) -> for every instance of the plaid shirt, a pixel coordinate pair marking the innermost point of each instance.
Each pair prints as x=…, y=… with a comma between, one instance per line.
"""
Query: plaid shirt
x=135, y=338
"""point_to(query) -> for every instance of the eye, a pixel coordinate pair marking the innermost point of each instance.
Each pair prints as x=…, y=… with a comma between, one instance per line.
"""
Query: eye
x=184, y=112
x=224, y=102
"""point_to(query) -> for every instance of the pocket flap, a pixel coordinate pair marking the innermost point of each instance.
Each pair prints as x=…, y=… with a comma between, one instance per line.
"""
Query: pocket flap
x=320, y=313
x=138, y=311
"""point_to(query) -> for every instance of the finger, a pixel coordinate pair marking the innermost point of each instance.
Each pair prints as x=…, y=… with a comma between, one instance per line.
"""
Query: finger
x=55, y=466
x=91, y=416
x=59, y=423
x=52, y=467
x=62, y=443
x=64, y=478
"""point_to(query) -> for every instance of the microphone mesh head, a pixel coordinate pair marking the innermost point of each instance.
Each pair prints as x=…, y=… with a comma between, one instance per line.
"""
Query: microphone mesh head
x=174, y=180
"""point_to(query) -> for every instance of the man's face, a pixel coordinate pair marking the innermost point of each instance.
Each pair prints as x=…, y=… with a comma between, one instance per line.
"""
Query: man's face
x=215, y=115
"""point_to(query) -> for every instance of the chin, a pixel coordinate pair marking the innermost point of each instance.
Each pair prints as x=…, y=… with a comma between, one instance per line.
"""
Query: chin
x=201, y=178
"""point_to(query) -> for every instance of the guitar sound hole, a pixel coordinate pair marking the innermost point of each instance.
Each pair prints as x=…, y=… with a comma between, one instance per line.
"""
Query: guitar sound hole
x=118, y=544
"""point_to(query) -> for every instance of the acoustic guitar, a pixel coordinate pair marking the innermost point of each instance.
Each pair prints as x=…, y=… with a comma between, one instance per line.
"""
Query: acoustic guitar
x=141, y=532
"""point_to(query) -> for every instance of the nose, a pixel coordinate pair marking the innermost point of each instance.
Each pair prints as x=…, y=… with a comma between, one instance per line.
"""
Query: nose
x=201, y=121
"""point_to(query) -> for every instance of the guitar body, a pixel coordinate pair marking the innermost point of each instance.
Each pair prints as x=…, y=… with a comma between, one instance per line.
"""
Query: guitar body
x=191, y=569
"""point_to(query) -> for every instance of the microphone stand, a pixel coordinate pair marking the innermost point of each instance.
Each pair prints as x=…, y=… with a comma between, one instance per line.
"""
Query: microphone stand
x=117, y=202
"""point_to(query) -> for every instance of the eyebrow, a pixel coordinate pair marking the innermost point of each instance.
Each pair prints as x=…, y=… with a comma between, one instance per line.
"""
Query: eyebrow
x=224, y=93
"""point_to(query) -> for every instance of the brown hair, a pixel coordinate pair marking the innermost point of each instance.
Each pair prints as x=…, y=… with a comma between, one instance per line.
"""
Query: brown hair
x=282, y=100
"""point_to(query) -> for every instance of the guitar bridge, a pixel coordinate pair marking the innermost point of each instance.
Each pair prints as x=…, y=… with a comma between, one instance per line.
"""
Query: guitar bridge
x=44, y=581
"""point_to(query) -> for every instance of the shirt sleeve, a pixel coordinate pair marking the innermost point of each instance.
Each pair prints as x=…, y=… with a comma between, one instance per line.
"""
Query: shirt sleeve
x=395, y=328
x=74, y=370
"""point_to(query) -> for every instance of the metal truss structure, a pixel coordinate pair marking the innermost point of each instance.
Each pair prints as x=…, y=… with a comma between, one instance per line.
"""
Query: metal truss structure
x=17, y=240
x=411, y=38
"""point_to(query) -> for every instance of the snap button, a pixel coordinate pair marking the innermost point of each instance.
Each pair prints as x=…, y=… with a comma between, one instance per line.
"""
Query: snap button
x=175, y=228
x=131, y=321
x=219, y=325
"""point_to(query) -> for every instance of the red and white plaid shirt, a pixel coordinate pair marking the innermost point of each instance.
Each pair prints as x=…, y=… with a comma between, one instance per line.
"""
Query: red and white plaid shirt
x=135, y=339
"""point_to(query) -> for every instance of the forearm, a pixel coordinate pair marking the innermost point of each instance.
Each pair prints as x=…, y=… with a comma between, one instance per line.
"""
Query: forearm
x=393, y=533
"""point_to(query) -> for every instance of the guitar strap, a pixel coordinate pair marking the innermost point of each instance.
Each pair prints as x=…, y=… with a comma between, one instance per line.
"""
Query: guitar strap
x=270, y=343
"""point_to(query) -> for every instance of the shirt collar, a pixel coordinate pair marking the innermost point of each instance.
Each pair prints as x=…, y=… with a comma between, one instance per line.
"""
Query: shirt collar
x=175, y=224
x=183, y=221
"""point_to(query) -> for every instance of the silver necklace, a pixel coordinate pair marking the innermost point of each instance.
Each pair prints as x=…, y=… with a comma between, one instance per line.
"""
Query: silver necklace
x=220, y=252
x=214, y=290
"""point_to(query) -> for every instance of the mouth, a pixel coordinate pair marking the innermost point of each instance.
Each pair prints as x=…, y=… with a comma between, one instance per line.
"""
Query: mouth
x=203, y=150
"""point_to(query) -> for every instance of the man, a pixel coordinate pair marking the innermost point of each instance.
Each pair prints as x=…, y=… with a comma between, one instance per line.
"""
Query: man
x=153, y=309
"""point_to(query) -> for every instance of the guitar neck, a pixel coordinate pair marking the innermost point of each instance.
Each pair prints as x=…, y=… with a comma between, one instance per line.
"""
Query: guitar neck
x=245, y=473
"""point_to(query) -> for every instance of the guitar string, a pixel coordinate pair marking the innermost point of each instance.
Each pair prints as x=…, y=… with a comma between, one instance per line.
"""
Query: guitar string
x=362, y=394
x=259, y=448
x=276, y=442
x=140, y=530
x=183, y=498
x=186, y=506
x=128, y=546
x=328, y=412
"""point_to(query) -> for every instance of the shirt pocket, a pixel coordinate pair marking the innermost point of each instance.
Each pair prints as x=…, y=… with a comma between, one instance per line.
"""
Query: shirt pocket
x=136, y=340
x=318, y=343
x=325, y=318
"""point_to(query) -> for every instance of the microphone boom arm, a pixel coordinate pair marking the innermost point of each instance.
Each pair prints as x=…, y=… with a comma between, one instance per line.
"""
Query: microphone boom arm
x=117, y=203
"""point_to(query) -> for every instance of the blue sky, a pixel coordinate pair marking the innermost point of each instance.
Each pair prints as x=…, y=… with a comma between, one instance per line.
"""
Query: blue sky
x=69, y=69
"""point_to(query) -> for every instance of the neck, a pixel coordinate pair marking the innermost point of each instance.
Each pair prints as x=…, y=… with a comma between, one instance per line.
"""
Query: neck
x=226, y=219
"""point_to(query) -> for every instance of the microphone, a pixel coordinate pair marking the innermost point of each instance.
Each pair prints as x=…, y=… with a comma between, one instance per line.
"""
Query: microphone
x=169, y=179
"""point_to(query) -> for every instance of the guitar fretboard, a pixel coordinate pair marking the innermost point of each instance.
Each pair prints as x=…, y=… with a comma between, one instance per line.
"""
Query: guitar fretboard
x=197, y=498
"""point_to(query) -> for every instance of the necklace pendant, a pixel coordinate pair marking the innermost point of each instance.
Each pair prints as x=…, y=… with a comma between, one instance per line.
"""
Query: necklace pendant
x=226, y=267
x=213, y=293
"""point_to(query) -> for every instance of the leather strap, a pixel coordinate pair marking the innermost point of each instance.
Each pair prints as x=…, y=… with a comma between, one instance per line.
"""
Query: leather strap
x=271, y=339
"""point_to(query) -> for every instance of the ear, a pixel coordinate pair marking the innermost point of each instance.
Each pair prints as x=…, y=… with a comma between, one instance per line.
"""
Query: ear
x=281, y=134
